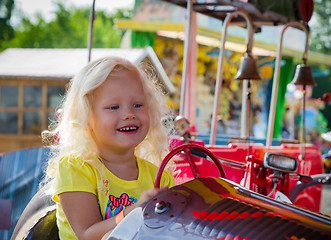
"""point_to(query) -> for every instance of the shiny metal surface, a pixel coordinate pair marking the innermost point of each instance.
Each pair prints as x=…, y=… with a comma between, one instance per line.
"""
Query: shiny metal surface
x=173, y=204
x=214, y=208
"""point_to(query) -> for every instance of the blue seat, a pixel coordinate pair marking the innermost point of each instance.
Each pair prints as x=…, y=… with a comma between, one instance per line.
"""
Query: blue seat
x=20, y=175
x=5, y=213
x=38, y=220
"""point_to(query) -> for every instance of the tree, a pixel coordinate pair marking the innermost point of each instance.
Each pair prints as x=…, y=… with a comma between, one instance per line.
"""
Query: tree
x=6, y=30
x=320, y=30
x=69, y=29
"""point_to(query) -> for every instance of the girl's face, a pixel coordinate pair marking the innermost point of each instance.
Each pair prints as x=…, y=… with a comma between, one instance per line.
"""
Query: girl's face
x=119, y=118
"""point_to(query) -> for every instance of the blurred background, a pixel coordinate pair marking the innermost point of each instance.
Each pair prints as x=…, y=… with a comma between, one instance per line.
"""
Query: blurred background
x=32, y=86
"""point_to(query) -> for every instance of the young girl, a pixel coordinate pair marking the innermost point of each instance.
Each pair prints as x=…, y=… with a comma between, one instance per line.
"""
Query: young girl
x=110, y=126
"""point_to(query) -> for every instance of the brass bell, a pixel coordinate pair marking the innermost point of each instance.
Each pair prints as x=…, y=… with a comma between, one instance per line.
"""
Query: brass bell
x=303, y=75
x=247, y=69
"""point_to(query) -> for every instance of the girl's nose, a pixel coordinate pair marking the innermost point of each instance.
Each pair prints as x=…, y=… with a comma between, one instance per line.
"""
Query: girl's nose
x=129, y=114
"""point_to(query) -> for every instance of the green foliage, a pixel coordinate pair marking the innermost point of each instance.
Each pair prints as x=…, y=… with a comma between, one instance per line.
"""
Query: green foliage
x=320, y=30
x=69, y=29
x=6, y=31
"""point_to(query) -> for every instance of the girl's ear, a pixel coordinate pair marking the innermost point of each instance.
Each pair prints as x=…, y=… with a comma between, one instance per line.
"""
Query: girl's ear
x=89, y=127
x=89, y=124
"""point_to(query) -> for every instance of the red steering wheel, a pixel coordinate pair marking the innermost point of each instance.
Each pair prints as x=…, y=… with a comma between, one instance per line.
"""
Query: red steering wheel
x=186, y=148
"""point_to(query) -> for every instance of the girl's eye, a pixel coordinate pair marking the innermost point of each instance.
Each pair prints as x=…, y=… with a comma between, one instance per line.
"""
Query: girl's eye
x=138, y=105
x=114, y=107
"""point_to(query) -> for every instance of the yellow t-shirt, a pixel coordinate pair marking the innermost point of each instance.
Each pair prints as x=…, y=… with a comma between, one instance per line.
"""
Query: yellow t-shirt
x=114, y=194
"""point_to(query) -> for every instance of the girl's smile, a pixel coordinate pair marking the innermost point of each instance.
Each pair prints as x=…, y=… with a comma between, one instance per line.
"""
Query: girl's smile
x=128, y=129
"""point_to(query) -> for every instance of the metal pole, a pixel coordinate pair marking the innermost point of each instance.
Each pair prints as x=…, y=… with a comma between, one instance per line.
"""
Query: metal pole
x=90, y=34
x=245, y=119
x=303, y=132
x=219, y=77
x=244, y=110
x=183, y=111
x=272, y=112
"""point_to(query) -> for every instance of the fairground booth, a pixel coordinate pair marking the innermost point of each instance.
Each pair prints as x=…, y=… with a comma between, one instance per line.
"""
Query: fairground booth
x=161, y=24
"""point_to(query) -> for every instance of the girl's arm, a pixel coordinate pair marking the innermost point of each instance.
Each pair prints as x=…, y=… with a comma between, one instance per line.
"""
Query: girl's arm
x=83, y=214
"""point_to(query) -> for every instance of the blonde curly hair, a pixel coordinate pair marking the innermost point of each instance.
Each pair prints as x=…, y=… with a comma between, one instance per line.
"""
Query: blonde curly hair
x=72, y=130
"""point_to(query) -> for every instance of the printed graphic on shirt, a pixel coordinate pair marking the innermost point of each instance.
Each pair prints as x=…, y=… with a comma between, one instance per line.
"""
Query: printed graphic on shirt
x=105, y=188
x=117, y=204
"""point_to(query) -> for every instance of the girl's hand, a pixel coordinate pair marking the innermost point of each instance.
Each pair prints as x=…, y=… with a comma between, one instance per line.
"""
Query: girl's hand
x=148, y=194
x=145, y=196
